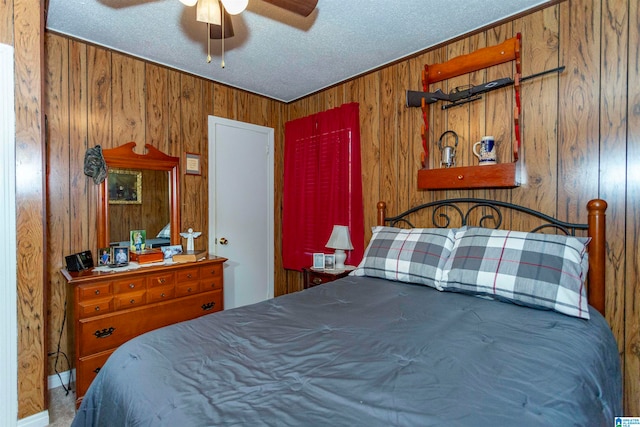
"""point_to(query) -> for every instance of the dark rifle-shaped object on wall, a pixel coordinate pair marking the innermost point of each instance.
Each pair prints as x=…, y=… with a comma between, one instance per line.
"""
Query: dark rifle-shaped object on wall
x=463, y=94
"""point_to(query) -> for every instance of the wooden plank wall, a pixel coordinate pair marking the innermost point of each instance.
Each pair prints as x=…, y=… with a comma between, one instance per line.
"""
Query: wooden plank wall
x=97, y=97
x=21, y=26
x=580, y=135
x=580, y=130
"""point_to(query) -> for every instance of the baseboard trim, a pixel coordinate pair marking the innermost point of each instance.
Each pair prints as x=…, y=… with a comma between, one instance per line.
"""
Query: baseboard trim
x=55, y=381
x=40, y=419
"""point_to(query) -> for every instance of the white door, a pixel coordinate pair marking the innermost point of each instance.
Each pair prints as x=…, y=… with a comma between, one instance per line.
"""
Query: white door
x=241, y=208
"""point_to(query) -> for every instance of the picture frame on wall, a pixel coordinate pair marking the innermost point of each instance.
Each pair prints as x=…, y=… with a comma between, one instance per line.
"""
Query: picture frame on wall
x=125, y=187
x=192, y=164
x=318, y=261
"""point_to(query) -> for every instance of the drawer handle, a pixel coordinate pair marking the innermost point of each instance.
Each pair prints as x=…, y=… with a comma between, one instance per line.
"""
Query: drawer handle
x=97, y=292
x=208, y=306
x=131, y=285
x=317, y=280
x=97, y=369
x=97, y=308
x=189, y=276
x=189, y=290
x=162, y=295
x=161, y=280
x=104, y=333
x=132, y=301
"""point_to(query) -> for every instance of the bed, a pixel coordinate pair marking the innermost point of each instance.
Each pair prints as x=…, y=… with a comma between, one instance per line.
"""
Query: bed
x=415, y=336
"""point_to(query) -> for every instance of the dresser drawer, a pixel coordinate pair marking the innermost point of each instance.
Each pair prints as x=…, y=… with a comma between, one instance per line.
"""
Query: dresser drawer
x=106, y=332
x=211, y=271
x=124, y=286
x=161, y=293
x=132, y=299
x=161, y=279
x=211, y=278
x=188, y=288
x=87, y=368
x=188, y=274
x=95, y=290
x=95, y=306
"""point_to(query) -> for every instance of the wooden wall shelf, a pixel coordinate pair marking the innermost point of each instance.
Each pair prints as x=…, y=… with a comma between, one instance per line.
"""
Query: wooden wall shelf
x=501, y=175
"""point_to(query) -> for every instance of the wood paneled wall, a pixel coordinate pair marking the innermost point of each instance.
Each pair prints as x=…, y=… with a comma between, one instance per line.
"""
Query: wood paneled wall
x=97, y=97
x=581, y=138
x=21, y=26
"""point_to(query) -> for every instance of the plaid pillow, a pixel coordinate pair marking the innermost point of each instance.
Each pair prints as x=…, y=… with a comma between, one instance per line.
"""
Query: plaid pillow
x=533, y=269
x=415, y=255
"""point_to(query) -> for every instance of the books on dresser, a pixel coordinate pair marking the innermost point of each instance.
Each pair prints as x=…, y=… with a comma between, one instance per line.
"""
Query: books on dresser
x=190, y=256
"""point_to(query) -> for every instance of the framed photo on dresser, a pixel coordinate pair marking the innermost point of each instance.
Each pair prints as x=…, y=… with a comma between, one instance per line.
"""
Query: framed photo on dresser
x=318, y=261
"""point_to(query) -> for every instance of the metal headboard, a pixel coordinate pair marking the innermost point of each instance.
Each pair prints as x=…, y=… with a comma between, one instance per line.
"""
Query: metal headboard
x=595, y=226
x=487, y=220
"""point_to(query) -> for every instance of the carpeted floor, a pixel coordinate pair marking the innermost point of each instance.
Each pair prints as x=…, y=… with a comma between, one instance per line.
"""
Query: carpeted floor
x=62, y=407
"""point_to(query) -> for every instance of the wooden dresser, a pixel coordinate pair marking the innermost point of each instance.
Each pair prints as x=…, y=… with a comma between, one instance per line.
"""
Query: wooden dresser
x=110, y=307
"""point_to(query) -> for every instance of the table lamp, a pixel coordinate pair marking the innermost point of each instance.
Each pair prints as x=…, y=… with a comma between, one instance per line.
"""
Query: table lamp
x=340, y=241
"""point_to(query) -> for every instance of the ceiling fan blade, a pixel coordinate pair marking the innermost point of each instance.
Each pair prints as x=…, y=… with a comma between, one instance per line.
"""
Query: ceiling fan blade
x=301, y=7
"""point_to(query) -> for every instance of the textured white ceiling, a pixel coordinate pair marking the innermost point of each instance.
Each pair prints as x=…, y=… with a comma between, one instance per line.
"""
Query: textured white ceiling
x=276, y=53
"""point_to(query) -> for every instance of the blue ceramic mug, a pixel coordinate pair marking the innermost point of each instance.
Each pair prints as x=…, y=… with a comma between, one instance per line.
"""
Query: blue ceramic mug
x=486, y=153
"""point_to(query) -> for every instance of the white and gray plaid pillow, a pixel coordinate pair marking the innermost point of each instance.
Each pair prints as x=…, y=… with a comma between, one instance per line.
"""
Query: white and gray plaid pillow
x=415, y=255
x=533, y=269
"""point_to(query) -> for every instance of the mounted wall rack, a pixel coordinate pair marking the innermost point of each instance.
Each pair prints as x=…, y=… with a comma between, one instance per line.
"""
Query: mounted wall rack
x=501, y=175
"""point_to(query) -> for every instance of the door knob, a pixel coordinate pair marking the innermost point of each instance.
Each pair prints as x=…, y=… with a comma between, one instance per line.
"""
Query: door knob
x=223, y=241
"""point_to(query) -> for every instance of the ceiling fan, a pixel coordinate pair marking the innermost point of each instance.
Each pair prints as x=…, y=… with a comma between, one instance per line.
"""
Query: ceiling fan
x=212, y=11
x=216, y=14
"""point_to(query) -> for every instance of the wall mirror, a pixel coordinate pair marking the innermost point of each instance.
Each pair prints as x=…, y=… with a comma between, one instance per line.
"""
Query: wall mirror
x=141, y=192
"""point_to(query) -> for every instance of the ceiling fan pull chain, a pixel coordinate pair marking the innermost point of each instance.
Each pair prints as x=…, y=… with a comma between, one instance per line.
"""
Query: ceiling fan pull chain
x=208, y=43
x=222, y=23
x=208, y=33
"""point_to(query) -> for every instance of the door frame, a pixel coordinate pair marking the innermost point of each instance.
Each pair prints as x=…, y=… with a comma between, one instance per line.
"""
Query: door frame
x=214, y=121
x=8, y=260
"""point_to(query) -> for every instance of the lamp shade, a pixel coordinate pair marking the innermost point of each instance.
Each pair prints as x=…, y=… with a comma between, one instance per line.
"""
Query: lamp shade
x=340, y=238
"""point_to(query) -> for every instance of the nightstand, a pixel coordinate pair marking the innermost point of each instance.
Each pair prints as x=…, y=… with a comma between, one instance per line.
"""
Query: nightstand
x=313, y=277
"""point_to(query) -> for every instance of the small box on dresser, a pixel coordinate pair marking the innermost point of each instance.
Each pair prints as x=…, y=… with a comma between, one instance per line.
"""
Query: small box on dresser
x=111, y=308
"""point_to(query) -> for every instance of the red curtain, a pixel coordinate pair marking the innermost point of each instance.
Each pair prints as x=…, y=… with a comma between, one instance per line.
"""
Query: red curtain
x=322, y=185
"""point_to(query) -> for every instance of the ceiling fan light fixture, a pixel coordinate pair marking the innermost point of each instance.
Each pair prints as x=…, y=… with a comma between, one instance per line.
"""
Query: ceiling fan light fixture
x=209, y=11
x=235, y=7
x=189, y=2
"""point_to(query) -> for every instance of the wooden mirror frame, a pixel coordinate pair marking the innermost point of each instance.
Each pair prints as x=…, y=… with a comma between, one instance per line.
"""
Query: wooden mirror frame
x=154, y=159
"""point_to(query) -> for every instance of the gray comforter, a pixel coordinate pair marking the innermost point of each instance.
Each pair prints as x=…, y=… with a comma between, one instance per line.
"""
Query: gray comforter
x=364, y=352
